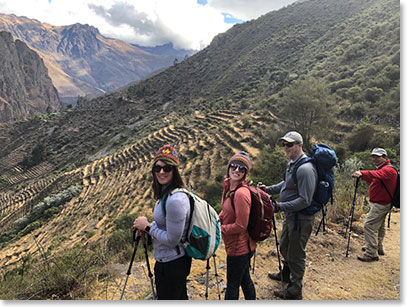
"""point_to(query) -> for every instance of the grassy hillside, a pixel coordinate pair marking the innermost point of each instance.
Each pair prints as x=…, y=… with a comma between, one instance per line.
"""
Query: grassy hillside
x=76, y=179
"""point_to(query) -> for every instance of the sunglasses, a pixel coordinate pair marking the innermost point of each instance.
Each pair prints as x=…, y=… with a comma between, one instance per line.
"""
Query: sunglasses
x=289, y=145
x=241, y=168
x=166, y=168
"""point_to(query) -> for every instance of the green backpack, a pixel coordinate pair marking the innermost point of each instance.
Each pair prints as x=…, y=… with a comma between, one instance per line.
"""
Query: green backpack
x=203, y=236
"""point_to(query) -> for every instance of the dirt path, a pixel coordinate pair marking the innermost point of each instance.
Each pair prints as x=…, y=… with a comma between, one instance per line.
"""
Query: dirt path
x=329, y=274
x=332, y=276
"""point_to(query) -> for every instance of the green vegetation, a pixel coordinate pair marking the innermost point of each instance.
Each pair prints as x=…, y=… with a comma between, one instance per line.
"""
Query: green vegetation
x=120, y=244
x=38, y=155
x=66, y=276
x=41, y=213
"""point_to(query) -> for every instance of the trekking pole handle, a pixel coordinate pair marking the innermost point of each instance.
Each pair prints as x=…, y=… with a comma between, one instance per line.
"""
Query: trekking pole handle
x=135, y=234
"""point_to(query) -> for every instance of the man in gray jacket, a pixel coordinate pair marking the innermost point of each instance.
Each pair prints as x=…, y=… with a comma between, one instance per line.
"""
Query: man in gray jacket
x=297, y=227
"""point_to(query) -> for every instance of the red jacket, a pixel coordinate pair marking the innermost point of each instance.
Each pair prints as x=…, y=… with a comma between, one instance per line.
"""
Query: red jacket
x=377, y=192
x=234, y=221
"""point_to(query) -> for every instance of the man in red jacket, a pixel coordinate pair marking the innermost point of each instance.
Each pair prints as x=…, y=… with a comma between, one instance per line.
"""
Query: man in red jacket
x=379, y=201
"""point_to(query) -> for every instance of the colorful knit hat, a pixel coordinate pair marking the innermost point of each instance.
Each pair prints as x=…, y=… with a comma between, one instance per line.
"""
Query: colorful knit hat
x=167, y=154
x=242, y=157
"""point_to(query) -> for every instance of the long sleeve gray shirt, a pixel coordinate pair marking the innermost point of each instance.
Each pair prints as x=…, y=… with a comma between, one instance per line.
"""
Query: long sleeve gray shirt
x=168, y=231
x=295, y=197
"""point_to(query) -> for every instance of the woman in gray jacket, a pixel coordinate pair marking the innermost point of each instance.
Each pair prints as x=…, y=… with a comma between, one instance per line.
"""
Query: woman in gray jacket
x=169, y=228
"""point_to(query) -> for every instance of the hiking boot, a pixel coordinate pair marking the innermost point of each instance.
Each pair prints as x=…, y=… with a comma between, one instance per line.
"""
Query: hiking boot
x=380, y=251
x=287, y=295
x=277, y=276
x=366, y=258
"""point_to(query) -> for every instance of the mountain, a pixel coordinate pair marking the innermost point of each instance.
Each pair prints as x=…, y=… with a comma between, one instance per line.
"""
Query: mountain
x=168, y=49
x=271, y=51
x=79, y=177
x=81, y=61
x=25, y=87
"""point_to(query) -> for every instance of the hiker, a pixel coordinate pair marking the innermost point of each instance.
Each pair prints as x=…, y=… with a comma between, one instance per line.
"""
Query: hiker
x=297, y=227
x=379, y=202
x=234, y=219
x=169, y=227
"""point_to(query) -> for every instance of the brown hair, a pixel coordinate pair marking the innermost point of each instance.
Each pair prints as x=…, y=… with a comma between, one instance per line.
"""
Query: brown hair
x=176, y=182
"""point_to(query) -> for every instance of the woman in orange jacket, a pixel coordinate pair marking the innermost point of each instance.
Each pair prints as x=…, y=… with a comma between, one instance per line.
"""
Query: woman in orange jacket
x=234, y=217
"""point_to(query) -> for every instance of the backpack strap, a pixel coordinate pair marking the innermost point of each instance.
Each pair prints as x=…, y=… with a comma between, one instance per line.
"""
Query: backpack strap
x=191, y=206
x=297, y=165
x=232, y=194
x=294, y=176
x=165, y=197
x=391, y=197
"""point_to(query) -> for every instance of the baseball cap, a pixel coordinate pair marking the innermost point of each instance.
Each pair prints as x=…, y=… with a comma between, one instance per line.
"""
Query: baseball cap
x=379, y=152
x=292, y=137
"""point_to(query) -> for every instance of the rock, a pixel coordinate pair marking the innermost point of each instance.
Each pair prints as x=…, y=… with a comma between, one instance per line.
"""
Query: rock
x=25, y=86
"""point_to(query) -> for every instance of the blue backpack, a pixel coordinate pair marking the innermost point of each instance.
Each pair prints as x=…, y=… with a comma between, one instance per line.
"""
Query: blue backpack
x=324, y=159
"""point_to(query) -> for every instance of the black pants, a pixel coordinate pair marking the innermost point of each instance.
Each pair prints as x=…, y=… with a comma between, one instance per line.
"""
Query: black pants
x=171, y=278
x=238, y=274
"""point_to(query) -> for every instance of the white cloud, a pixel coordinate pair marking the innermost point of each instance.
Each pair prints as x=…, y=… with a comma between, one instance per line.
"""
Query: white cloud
x=185, y=23
x=248, y=9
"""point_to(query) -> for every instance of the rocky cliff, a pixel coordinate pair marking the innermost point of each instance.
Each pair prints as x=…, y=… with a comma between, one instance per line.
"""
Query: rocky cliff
x=81, y=61
x=25, y=87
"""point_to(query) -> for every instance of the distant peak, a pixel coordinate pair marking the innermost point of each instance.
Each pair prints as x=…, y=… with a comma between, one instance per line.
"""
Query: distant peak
x=86, y=27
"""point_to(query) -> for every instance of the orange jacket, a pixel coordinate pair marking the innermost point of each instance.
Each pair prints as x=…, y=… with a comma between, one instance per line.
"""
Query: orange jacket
x=234, y=220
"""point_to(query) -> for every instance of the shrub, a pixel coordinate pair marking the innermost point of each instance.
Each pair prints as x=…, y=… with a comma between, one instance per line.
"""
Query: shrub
x=37, y=215
x=30, y=228
x=269, y=168
x=357, y=110
x=118, y=241
x=344, y=191
x=360, y=137
x=247, y=121
x=373, y=94
x=212, y=193
x=68, y=275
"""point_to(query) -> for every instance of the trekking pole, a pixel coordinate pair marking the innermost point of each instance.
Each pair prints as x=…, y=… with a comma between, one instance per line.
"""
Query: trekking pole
x=345, y=235
x=207, y=278
x=150, y=274
x=216, y=275
x=322, y=222
x=136, y=241
x=278, y=253
x=388, y=220
x=350, y=218
x=254, y=261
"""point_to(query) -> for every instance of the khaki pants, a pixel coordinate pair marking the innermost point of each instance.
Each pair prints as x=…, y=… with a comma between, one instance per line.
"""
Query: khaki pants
x=374, y=228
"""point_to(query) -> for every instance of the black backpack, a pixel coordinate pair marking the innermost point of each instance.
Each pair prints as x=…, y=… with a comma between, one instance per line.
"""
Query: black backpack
x=395, y=199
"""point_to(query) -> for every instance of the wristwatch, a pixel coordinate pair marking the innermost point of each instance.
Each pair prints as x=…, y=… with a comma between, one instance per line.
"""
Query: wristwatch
x=147, y=229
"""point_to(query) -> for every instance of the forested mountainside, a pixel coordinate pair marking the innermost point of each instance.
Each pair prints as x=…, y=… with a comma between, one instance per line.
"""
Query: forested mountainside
x=81, y=61
x=26, y=89
x=327, y=68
